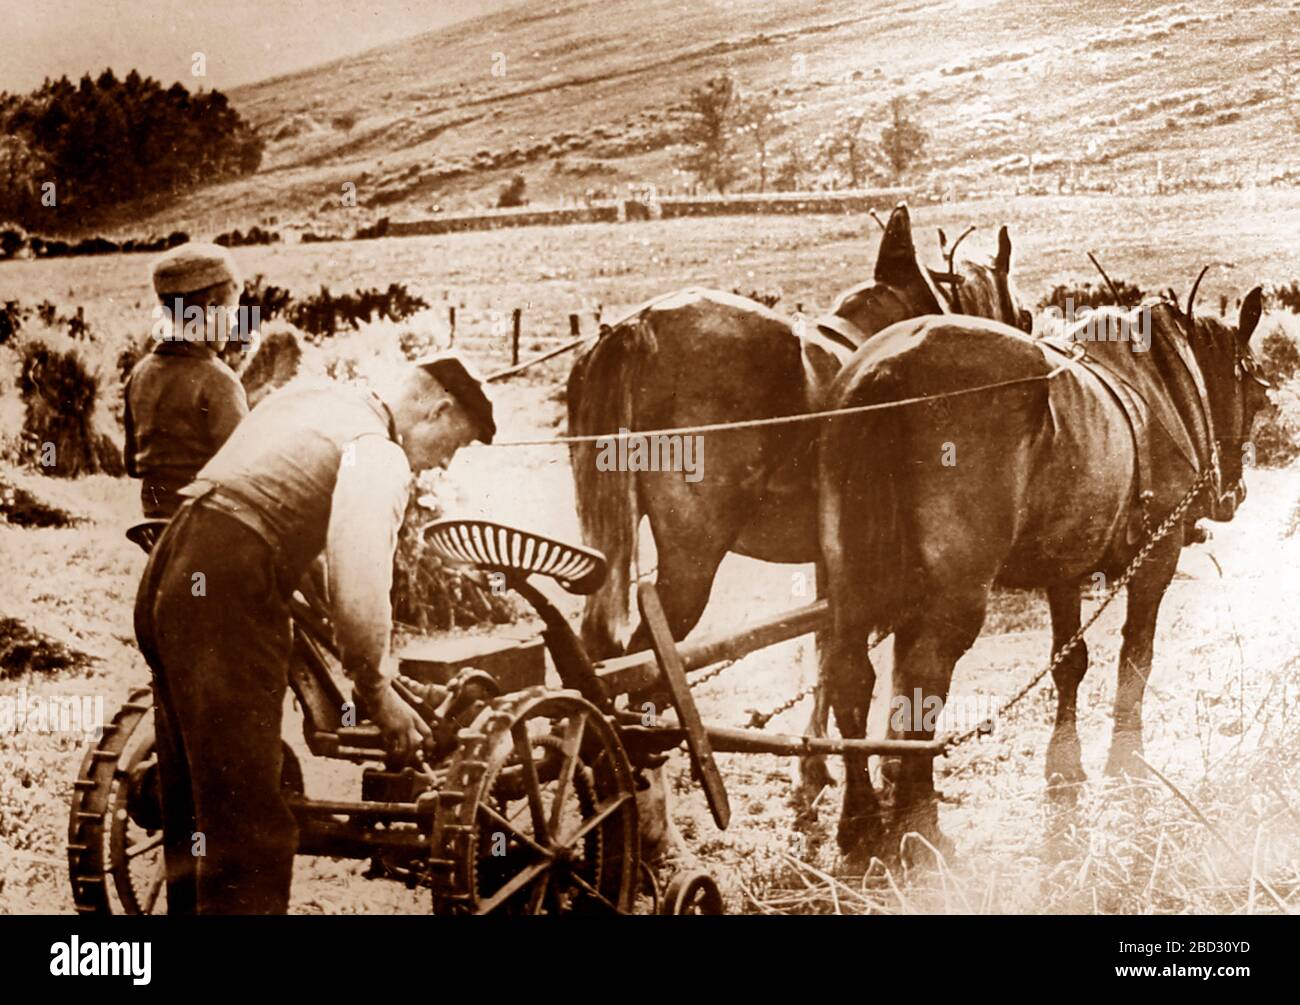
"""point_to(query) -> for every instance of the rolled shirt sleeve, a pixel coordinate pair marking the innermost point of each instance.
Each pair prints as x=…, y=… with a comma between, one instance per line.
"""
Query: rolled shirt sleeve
x=369, y=502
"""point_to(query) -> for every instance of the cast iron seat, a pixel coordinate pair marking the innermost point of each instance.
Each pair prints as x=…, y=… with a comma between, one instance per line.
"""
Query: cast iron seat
x=146, y=534
x=495, y=546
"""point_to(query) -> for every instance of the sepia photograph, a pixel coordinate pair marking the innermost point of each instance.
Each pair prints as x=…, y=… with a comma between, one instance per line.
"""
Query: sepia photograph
x=588, y=457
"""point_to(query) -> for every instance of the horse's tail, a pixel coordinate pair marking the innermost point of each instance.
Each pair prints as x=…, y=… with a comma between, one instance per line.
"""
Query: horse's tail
x=867, y=536
x=600, y=394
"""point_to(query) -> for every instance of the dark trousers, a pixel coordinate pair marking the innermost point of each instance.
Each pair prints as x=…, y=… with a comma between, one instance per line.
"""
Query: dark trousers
x=160, y=498
x=213, y=625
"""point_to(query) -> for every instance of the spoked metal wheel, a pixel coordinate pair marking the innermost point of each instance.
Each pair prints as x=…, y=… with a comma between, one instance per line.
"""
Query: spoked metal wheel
x=538, y=812
x=116, y=863
x=115, y=850
x=135, y=852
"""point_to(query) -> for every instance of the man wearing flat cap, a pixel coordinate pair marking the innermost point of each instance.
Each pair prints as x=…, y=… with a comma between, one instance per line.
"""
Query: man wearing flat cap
x=182, y=402
x=311, y=471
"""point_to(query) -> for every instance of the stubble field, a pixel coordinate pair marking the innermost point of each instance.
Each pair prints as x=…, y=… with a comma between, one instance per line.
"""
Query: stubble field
x=1221, y=719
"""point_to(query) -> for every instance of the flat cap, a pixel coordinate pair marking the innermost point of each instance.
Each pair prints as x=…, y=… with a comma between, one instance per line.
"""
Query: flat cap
x=451, y=371
x=193, y=266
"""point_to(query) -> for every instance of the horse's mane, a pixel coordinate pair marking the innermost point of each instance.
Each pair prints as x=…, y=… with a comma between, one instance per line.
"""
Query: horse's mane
x=853, y=291
x=980, y=292
x=1169, y=355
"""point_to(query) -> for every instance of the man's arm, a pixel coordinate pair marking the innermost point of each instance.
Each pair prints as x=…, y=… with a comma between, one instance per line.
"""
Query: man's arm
x=226, y=405
x=369, y=503
x=128, y=425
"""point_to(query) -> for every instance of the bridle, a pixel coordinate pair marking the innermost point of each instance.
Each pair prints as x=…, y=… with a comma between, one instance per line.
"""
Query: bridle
x=951, y=277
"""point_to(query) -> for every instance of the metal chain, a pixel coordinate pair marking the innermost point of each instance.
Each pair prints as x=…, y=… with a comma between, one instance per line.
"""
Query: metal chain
x=712, y=672
x=757, y=719
x=1160, y=532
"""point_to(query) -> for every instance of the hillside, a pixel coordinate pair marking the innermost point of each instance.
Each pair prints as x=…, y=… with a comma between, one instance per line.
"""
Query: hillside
x=587, y=97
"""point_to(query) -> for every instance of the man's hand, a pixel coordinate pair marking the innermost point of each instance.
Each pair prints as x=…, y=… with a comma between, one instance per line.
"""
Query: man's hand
x=403, y=730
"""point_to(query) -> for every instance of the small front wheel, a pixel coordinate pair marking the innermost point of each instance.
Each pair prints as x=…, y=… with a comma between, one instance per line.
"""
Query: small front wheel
x=692, y=893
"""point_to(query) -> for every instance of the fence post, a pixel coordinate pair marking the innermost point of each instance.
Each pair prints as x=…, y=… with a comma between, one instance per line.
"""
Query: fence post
x=574, y=328
x=451, y=323
x=514, y=336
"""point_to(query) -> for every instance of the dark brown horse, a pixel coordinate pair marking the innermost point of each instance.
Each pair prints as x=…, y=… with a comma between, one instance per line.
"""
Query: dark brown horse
x=982, y=289
x=700, y=357
x=1040, y=483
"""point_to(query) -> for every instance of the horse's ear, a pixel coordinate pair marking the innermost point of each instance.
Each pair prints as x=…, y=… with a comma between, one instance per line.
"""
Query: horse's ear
x=943, y=241
x=1003, y=261
x=1251, y=309
x=896, y=259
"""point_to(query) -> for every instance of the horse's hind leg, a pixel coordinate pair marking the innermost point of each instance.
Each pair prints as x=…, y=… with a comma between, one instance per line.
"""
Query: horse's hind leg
x=688, y=561
x=1145, y=591
x=850, y=679
x=813, y=775
x=1064, y=769
x=926, y=648
x=690, y=548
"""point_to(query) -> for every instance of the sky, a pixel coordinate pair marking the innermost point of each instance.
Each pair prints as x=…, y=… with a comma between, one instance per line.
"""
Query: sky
x=241, y=40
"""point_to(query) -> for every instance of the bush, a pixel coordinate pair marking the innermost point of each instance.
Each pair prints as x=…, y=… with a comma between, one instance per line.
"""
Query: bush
x=59, y=395
x=12, y=316
x=95, y=246
x=768, y=298
x=275, y=362
x=1278, y=357
x=1289, y=296
x=22, y=509
x=255, y=235
x=1277, y=430
x=345, y=121
x=1276, y=437
x=324, y=313
x=1088, y=295
x=513, y=193
x=12, y=240
x=431, y=595
x=131, y=355
x=24, y=650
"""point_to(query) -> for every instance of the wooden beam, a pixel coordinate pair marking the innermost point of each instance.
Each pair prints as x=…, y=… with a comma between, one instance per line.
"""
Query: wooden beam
x=637, y=671
x=674, y=675
x=749, y=741
x=725, y=740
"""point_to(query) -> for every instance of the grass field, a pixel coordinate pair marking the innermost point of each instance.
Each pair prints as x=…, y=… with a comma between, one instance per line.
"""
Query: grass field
x=552, y=271
x=1224, y=686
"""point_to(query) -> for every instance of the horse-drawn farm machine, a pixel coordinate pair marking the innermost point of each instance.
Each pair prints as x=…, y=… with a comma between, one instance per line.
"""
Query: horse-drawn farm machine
x=525, y=798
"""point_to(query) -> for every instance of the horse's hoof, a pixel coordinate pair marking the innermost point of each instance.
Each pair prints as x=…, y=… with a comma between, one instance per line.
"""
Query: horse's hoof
x=1125, y=761
x=1065, y=779
x=811, y=776
x=859, y=841
x=1064, y=792
x=917, y=849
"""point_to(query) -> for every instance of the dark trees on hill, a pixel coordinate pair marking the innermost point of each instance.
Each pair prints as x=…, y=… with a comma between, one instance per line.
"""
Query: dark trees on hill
x=67, y=149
